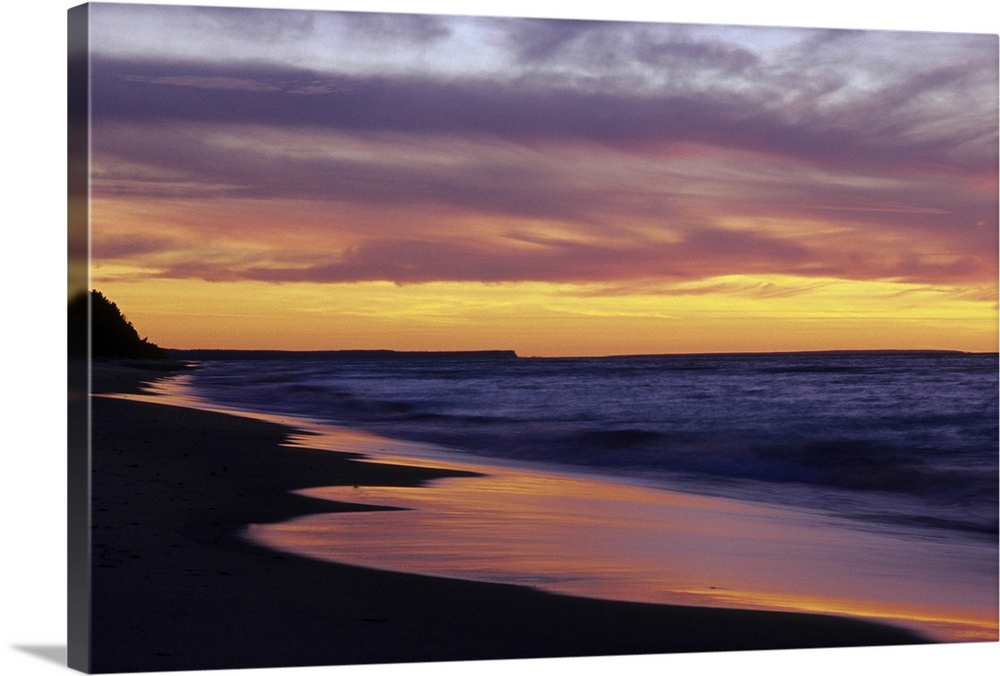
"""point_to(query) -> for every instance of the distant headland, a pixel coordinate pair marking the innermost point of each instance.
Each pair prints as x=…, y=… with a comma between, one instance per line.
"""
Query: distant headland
x=111, y=335
x=353, y=355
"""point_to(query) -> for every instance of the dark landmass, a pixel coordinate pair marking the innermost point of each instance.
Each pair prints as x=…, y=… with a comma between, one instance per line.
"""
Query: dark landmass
x=352, y=355
x=813, y=353
x=111, y=334
x=175, y=587
x=200, y=354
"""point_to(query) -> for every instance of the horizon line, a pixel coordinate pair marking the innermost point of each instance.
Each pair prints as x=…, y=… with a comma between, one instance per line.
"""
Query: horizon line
x=513, y=354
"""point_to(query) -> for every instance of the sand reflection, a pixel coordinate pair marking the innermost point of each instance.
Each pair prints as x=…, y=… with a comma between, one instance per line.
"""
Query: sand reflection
x=581, y=536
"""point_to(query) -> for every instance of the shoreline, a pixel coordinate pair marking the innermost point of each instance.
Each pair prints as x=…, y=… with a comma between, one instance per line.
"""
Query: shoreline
x=176, y=587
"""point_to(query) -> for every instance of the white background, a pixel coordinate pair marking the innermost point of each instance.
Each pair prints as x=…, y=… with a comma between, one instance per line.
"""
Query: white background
x=32, y=167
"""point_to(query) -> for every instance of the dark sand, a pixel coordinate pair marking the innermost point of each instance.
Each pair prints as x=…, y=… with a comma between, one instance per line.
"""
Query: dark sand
x=174, y=587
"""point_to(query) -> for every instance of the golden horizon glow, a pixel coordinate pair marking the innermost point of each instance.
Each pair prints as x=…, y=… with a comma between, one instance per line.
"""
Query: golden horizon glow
x=727, y=314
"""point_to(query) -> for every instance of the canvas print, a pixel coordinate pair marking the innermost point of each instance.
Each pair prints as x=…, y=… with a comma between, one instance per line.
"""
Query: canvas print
x=405, y=338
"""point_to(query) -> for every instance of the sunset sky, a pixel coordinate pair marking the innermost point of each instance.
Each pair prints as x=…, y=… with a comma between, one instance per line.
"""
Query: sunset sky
x=324, y=180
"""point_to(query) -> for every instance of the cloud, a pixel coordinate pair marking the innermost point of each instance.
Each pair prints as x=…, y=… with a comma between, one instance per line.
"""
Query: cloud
x=566, y=151
x=201, y=82
x=238, y=24
x=393, y=29
x=130, y=246
x=867, y=136
x=742, y=287
x=498, y=259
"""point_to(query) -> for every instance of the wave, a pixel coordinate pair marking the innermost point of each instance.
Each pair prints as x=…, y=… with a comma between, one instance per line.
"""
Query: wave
x=868, y=427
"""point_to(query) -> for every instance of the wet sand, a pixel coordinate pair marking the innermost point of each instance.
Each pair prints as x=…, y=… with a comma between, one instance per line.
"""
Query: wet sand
x=176, y=588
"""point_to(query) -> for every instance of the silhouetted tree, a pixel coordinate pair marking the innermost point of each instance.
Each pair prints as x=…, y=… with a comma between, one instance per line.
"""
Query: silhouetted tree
x=112, y=335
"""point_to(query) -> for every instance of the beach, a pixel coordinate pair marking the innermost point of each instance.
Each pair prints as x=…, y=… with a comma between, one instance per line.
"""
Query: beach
x=176, y=587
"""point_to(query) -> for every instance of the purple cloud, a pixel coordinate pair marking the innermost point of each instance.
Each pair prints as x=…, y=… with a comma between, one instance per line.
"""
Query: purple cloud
x=872, y=134
x=654, y=151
